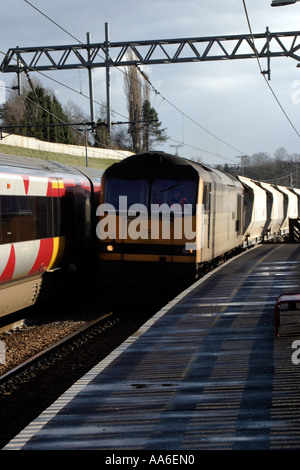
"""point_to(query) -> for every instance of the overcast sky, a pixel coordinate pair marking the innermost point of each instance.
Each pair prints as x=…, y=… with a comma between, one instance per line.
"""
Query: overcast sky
x=230, y=99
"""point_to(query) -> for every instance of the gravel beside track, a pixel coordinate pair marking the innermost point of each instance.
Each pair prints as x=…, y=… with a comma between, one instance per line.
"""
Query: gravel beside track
x=26, y=340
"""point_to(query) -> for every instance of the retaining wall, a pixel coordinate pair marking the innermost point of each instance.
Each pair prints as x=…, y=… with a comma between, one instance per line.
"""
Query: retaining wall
x=76, y=150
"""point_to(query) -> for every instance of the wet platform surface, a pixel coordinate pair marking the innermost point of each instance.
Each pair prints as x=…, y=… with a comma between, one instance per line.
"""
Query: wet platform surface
x=205, y=373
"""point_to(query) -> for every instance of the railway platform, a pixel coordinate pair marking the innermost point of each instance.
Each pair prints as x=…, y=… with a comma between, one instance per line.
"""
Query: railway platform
x=206, y=372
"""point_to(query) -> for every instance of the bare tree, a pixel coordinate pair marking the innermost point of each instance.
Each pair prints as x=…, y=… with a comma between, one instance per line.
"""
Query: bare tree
x=12, y=112
x=75, y=115
x=281, y=154
x=102, y=137
x=133, y=91
x=145, y=128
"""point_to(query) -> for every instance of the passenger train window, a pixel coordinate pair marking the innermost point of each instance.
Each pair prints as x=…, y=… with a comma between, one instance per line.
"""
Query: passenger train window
x=43, y=217
x=25, y=205
x=135, y=191
x=9, y=205
x=26, y=218
x=9, y=226
x=17, y=218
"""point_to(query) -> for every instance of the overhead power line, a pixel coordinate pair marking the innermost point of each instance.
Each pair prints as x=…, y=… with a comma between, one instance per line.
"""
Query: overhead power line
x=183, y=50
x=293, y=53
x=95, y=53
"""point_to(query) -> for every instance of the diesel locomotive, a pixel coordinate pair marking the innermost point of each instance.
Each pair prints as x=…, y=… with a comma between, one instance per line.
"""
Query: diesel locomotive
x=149, y=200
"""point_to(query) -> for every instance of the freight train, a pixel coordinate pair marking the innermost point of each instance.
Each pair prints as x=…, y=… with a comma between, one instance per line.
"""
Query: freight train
x=161, y=213
x=47, y=223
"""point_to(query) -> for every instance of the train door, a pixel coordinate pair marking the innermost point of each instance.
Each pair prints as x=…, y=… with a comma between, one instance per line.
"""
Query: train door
x=238, y=227
x=213, y=205
x=207, y=213
x=207, y=242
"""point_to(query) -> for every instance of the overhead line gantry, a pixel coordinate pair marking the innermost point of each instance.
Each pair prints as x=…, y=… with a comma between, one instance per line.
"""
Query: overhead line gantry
x=108, y=54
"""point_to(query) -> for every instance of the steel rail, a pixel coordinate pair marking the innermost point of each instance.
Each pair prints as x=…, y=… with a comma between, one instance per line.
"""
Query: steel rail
x=43, y=354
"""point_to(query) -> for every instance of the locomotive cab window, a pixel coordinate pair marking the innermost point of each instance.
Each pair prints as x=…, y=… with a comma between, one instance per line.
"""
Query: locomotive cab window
x=174, y=192
x=162, y=191
x=135, y=192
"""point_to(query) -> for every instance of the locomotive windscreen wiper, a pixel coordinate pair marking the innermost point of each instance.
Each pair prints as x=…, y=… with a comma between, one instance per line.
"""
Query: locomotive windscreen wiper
x=170, y=187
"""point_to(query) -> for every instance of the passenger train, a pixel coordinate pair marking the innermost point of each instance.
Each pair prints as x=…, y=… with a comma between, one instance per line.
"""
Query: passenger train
x=47, y=223
x=224, y=215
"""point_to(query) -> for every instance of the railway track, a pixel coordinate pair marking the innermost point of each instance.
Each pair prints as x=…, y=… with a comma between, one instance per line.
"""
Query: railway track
x=56, y=348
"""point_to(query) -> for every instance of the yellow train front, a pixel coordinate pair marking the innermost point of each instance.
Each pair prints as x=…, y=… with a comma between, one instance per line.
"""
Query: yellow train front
x=163, y=219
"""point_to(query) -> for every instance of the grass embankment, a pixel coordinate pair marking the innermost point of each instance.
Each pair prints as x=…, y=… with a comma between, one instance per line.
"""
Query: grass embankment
x=99, y=163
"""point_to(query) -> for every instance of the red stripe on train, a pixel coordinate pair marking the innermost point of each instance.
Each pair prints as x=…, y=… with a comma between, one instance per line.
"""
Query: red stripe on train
x=10, y=266
x=26, y=183
x=44, y=256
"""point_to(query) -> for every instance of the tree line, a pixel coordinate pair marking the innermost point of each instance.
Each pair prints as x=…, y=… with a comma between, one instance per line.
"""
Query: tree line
x=31, y=114
x=36, y=112
x=282, y=168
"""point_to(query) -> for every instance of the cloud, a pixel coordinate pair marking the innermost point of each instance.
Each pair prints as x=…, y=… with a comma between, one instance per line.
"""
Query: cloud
x=229, y=98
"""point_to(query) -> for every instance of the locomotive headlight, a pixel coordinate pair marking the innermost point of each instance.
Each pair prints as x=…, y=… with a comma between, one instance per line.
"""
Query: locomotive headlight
x=188, y=251
x=110, y=248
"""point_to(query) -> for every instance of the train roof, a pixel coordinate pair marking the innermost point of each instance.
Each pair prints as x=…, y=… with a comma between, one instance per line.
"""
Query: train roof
x=155, y=165
x=152, y=165
x=18, y=163
x=92, y=173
